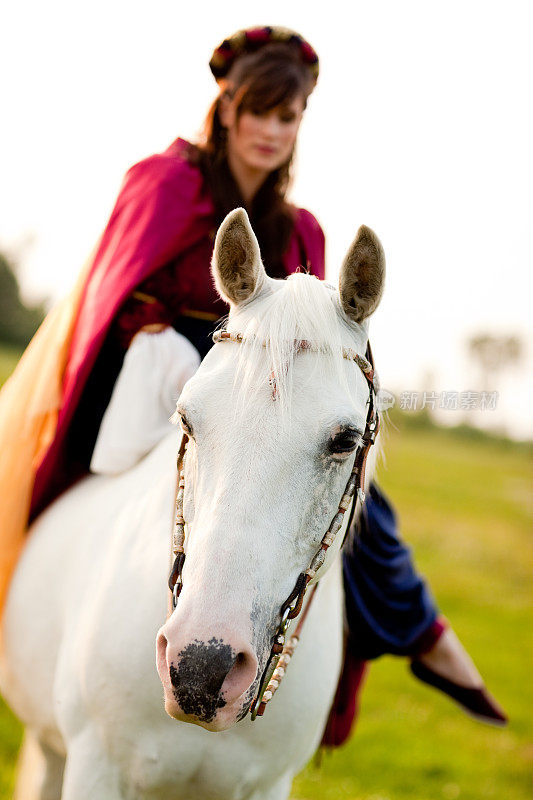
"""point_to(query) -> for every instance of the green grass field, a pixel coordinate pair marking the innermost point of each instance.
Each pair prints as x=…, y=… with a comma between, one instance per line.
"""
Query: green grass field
x=466, y=506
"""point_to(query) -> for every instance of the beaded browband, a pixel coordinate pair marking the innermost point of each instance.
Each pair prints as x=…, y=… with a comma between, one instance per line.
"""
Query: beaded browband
x=301, y=345
x=283, y=650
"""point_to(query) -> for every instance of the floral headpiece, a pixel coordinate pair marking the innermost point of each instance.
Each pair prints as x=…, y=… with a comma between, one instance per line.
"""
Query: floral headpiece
x=252, y=39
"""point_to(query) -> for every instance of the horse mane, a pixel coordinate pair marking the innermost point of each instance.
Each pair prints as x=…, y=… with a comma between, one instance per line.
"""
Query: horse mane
x=302, y=309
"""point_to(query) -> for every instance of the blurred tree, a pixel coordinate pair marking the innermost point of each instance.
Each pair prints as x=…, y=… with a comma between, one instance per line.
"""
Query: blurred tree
x=18, y=322
x=494, y=353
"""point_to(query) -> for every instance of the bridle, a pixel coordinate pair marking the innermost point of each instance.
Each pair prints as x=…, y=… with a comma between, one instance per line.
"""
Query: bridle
x=282, y=649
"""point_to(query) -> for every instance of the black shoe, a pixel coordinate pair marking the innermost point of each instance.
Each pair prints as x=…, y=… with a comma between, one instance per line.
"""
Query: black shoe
x=476, y=702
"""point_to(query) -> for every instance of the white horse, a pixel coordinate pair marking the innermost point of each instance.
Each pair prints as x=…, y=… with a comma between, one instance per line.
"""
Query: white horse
x=273, y=432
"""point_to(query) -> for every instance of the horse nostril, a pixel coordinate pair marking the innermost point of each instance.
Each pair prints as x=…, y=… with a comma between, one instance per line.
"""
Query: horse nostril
x=240, y=676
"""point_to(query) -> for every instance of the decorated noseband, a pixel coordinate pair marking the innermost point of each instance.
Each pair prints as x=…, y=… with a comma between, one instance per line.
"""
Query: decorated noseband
x=282, y=650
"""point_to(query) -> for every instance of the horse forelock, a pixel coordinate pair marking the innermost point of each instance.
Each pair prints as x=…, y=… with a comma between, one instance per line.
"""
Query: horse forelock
x=300, y=309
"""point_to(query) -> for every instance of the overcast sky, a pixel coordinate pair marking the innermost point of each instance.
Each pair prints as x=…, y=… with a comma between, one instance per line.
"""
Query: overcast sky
x=421, y=127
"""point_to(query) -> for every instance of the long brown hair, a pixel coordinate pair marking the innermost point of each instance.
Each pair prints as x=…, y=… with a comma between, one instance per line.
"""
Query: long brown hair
x=272, y=76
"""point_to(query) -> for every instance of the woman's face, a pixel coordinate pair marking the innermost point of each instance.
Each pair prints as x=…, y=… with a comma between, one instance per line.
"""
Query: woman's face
x=262, y=142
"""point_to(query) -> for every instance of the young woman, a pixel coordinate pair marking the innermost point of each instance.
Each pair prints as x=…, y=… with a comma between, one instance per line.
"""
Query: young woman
x=147, y=310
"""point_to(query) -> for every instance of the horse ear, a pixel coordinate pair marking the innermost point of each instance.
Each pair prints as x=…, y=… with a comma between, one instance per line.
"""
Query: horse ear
x=362, y=276
x=236, y=266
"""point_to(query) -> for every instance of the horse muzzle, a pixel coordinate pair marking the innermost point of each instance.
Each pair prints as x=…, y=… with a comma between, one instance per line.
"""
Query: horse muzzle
x=207, y=681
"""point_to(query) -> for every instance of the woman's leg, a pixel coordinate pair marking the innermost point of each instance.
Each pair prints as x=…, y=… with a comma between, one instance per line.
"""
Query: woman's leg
x=388, y=604
x=155, y=369
x=390, y=609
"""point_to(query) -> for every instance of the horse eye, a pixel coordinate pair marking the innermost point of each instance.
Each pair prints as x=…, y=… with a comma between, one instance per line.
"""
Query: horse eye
x=184, y=425
x=345, y=442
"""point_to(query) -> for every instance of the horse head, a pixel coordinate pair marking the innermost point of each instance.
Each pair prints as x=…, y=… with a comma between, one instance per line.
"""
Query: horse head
x=274, y=415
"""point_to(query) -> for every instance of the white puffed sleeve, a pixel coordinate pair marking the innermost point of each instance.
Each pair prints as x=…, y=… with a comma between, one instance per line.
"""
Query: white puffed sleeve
x=155, y=369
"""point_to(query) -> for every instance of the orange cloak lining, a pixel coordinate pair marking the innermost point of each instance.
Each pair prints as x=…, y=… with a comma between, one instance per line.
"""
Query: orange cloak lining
x=29, y=406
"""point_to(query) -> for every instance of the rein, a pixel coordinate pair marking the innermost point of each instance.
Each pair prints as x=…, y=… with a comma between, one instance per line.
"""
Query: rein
x=282, y=648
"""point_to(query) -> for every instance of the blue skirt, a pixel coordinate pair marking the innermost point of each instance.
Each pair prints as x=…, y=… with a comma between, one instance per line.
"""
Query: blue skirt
x=389, y=608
